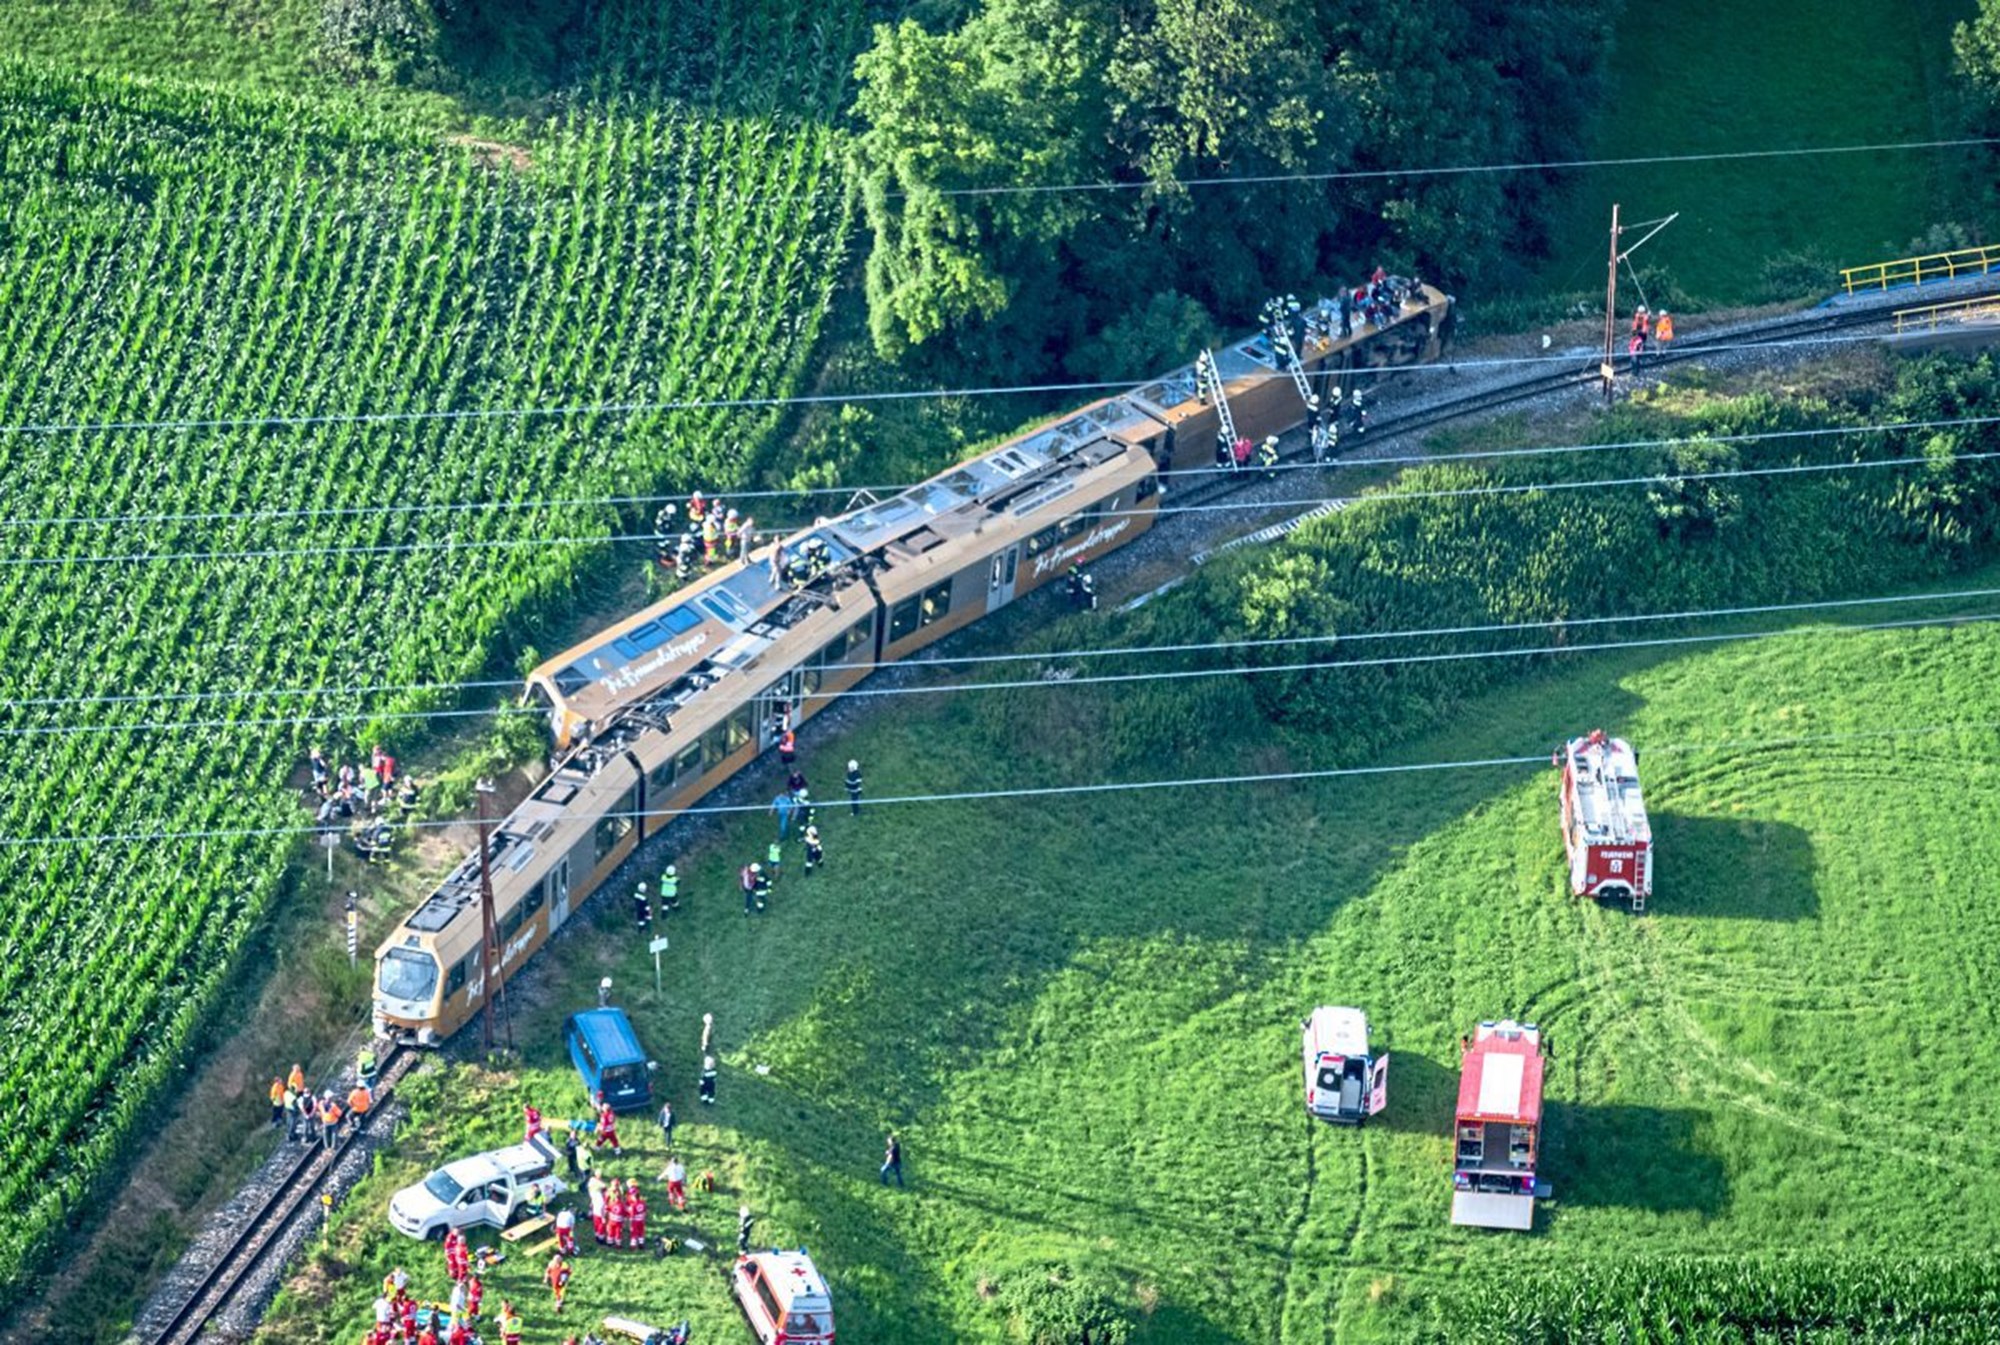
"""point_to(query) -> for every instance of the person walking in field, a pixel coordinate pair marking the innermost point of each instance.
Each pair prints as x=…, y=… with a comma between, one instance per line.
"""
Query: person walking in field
x=595, y=1188
x=892, y=1160
x=557, y=1274
x=457, y=1256
x=569, y=1154
x=667, y=1124
x=815, y=852
x=510, y=1323
x=748, y=877
x=670, y=890
x=607, y=1127
x=854, y=787
x=642, y=908
x=708, y=1080
x=784, y=805
x=745, y=1222
x=774, y=858
x=675, y=1176
x=566, y=1231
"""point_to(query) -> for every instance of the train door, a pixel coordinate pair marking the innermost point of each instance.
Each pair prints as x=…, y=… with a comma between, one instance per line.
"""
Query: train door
x=1000, y=583
x=558, y=881
x=778, y=708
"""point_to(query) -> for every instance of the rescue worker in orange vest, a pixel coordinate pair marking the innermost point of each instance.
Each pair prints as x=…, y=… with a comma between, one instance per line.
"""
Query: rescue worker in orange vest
x=1642, y=325
x=557, y=1274
x=788, y=747
x=711, y=533
x=359, y=1100
x=277, y=1103
x=510, y=1323
x=330, y=1117
x=635, y=1213
x=297, y=1079
x=1663, y=327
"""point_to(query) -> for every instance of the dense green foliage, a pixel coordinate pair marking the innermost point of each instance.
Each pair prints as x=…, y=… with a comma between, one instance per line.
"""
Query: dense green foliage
x=1798, y=1300
x=1028, y=94
x=175, y=253
x=1080, y=1012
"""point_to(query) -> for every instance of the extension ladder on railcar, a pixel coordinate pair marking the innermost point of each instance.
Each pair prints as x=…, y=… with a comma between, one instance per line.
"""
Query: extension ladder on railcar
x=1208, y=385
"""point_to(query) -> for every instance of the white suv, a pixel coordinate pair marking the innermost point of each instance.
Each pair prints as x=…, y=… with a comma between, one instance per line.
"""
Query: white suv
x=489, y=1189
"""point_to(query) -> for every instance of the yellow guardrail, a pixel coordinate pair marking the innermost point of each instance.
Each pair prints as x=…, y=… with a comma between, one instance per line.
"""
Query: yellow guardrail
x=1928, y=318
x=1916, y=270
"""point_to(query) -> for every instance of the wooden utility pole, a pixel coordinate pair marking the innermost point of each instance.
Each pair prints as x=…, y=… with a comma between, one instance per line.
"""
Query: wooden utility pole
x=496, y=988
x=1606, y=369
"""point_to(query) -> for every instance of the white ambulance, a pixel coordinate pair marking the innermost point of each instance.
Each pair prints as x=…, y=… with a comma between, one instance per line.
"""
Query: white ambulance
x=784, y=1298
x=1345, y=1082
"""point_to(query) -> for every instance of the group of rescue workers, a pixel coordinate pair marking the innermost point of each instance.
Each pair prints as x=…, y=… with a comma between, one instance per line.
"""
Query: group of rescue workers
x=362, y=797
x=1646, y=329
x=721, y=533
x=320, y=1118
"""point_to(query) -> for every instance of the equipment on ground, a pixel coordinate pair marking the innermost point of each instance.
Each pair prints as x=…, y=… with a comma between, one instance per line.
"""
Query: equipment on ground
x=1497, y=1135
x=1605, y=831
x=1345, y=1082
x=648, y=1335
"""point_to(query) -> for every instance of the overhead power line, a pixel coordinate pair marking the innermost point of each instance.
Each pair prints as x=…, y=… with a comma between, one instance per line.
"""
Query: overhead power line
x=1760, y=744
x=1044, y=683
x=1165, y=510
x=217, y=423
x=1387, y=430
x=1092, y=652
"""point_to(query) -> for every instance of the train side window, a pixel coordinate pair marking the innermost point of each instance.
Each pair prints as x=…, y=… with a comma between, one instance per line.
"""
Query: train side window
x=662, y=775
x=1041, y=541
x=510, y=923
x=454, y=980
x=936, y=602
x=533, y=901
x=687, y=762
x=809, y=675
x=861, y=642
x=713, y=749
x=903, y=619
x=612, y=827
x=739, y=729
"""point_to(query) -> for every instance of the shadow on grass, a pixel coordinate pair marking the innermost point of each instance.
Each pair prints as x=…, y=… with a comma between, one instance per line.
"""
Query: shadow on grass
x=1738, y=868
x=1423, y=1095
x=1645, y=1158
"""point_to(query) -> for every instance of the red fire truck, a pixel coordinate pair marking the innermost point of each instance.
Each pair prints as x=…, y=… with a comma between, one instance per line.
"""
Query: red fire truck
x=1604, y=823
x=1497, y=1136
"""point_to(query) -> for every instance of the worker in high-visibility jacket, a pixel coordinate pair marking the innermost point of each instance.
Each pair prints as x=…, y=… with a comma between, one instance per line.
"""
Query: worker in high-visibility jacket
x=670, y=890
x=359, y=1100
x=557, y=1274
x=364, y=1064
x=277, y=1103
x=510, y=1323
x=297, y=1079
x=330, y=1117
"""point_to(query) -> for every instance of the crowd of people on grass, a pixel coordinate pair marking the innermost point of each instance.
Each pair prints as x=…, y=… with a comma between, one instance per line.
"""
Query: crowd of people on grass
x=369, y=799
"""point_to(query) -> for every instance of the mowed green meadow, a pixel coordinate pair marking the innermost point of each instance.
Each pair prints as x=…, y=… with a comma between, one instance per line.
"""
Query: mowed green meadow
x=1712, y=77
x=1082, y=1013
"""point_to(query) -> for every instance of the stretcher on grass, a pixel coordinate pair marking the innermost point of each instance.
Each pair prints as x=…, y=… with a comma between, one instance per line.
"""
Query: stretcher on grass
x=526, y=1227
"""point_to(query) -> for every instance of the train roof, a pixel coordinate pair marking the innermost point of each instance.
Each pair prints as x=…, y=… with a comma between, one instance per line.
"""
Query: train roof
x=1501, y=1075
x=1605, y=775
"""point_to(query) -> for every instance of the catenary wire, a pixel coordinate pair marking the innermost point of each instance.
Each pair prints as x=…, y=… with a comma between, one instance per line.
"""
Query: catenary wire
x=1100, y=185
x=1040, y=683
x=1053, y=791
x=1387, y=430
x=1160, y=511
x=1095, y=651
x=809, y=398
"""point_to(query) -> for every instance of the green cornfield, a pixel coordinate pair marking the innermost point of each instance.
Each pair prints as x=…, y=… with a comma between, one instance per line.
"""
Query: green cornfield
x=179, y=263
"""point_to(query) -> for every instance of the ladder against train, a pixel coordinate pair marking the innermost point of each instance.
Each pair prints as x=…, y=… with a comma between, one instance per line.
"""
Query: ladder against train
x=1281, y=341
x=1208, y=386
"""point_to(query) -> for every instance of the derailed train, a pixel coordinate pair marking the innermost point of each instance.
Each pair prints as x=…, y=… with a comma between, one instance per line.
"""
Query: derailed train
x=659, y=709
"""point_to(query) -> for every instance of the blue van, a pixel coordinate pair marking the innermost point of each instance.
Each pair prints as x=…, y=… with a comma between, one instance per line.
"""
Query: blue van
x=608, y=1057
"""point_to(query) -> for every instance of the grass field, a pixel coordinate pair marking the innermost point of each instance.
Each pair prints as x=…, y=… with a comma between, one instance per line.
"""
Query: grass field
x=1702, y=76
x=1081, y=1014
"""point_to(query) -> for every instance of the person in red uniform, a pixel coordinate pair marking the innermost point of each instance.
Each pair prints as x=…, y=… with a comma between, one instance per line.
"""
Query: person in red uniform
x=614, y=1215
x=531, y=1119
x=607, y=1128
x=474, y=1291
x=428, y=1336
x=566, y=1232
x=635, y=1213
x=457, y=1256
x=460, y=1334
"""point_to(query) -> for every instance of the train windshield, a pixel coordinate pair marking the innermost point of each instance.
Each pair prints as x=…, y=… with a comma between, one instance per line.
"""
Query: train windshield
x=407, y=974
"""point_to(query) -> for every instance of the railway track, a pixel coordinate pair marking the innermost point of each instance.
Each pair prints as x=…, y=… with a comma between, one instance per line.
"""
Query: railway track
x=267, y=1225
x=1581, y=373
